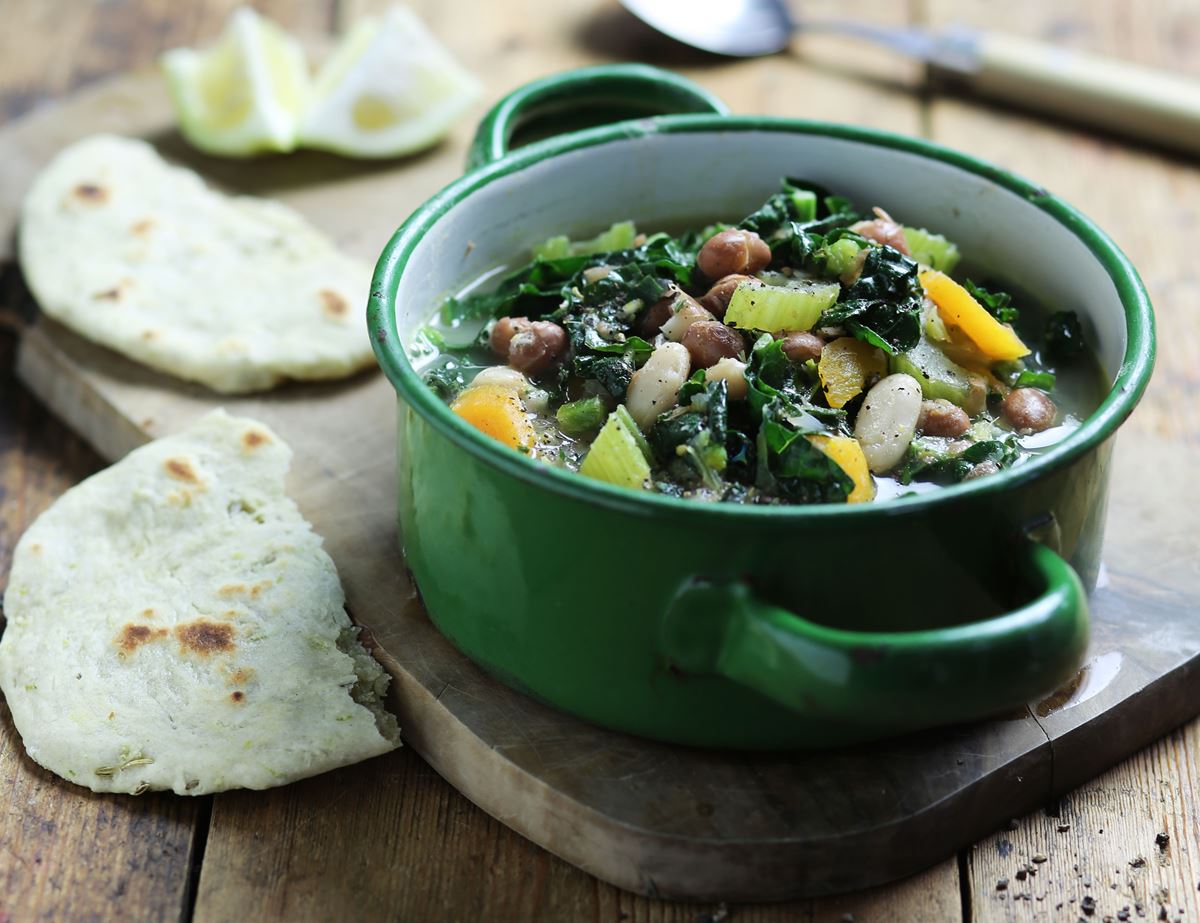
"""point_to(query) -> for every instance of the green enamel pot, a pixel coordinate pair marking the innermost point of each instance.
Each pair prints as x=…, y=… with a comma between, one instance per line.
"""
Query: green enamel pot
x=734, y=626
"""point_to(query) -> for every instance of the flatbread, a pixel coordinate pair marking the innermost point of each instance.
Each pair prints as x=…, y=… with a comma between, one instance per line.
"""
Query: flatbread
x=239, y=294
x=173, y=623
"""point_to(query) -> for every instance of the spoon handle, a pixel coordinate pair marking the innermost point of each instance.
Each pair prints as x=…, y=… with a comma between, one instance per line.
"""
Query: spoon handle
x=1121, y=97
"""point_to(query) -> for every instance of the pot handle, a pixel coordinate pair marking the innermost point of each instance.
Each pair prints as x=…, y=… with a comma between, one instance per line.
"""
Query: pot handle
x=903, y=679
x=636, y=89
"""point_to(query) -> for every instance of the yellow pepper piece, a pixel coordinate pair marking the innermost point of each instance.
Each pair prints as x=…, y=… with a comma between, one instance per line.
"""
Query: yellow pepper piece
x=844, y=367
x=996, y=341
x=498, y=412
x=848, y=455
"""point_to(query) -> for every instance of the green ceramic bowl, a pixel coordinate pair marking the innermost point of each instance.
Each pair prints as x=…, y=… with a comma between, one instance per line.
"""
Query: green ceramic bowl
x=724, y=625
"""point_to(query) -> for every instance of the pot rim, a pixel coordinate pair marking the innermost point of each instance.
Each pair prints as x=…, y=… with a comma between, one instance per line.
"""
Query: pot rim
x=1129, y=385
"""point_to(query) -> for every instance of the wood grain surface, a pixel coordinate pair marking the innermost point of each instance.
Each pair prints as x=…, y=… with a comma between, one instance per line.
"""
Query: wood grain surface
x=300, y=853
x=1099, y=843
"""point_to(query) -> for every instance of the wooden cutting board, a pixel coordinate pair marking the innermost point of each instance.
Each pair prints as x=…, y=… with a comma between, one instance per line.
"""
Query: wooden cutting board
x=648, y=817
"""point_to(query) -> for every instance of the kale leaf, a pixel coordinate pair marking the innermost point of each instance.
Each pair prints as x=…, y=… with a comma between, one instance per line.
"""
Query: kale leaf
x=795, y=201
x=450, y=378
x=1028, y=378
x=610, y=362
x=532, y=291
x=1016, y=374
x=792, y=467
x=741, y=455
x=926, y=461
x=800, y=207
x=556, y=287
x=795, y=220
x=1064, y=336
x=587, y=339
x=613, y=372
x=997, y=304
x=695, y=433
x=883, y=307
x=770, y=375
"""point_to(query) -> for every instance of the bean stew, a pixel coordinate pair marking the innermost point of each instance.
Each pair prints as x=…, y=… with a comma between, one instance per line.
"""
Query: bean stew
x=808, y=354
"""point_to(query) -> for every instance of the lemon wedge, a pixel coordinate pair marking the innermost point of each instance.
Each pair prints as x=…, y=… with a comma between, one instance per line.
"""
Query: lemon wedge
x=389, y=88
x=243, y=96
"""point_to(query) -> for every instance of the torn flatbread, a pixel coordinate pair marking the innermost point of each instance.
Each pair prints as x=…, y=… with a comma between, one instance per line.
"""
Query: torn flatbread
x=174, y=623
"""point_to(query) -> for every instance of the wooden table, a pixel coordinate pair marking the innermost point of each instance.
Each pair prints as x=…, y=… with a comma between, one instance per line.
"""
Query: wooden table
x=389, y=839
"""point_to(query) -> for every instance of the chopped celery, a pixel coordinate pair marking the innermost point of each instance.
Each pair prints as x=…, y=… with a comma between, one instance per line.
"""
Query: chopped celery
x=805, y=203
x=938, y=375
x=617, y=455
x=618, y=237
x=556, y=248
x=581, y=417
x=624, y=416
x=934, y=250
x=840, y=256
x=932, y=323
x=768, y=308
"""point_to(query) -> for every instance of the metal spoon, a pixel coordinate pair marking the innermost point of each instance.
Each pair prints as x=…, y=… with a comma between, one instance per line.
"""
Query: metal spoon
x=1111, y=94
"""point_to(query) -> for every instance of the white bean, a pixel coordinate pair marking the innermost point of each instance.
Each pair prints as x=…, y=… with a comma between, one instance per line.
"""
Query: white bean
x=887, y=421
x=733, y=373
x=501, y=376
x=685, y=315
x=654, y=388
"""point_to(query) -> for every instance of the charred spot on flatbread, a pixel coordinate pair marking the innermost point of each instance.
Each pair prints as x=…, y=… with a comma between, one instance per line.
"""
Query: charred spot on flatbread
x=143, y=227
x=237, y=695
x=90, y=193
x=333, y=305
x=240, y=589
x=115, y=293
x=133, y=636
x=204, y=637
x=253, y=438
x=181, y=469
